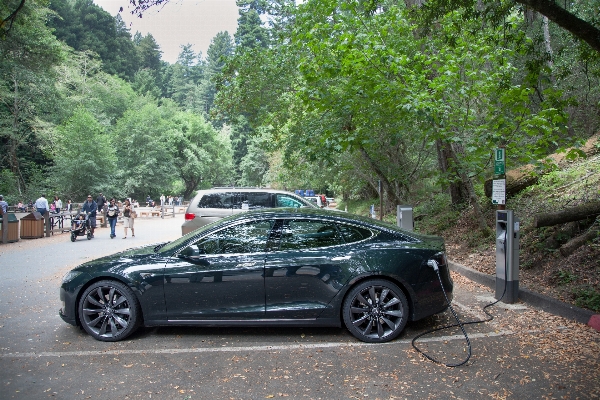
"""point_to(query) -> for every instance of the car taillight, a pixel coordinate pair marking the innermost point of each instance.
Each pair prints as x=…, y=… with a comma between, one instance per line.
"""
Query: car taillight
x=189, y=216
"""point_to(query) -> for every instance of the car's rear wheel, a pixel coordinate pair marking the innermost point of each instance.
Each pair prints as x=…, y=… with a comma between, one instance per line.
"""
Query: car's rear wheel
x=109, y=311
x=375, y=311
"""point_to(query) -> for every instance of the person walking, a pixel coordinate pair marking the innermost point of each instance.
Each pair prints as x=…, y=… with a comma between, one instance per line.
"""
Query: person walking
x=128, y=218
x=112, y=212
x=41, y=205
x=90, y=207
x=100, y=201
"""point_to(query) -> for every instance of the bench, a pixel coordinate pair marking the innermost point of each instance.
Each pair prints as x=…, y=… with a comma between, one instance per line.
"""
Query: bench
x=155, y=213
x=144, y=213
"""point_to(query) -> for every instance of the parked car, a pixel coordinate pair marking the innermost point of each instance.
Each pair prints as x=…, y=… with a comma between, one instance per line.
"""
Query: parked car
x=213, y=204
x=272, y=267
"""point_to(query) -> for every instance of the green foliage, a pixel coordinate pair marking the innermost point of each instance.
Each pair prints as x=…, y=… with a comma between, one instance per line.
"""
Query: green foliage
x=587, y=297
x=564, y=276
x=85, y=26
x=435, y=215
x=85, y=160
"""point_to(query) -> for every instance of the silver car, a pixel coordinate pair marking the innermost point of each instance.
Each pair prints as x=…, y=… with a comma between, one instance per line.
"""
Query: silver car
x=213, y=204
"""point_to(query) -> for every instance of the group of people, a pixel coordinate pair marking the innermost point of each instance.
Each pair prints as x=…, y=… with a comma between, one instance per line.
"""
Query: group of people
x=91, y=208
x=164, y=200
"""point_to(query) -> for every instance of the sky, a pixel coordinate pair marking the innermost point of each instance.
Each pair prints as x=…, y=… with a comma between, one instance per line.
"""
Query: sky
x=179, y=22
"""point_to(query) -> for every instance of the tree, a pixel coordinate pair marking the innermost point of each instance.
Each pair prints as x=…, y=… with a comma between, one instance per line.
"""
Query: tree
x=218, y=54
x=202, y=156
x=86, y=27
x=84, y=159
x=141, y=138
x=28, y=53
x=587, y=31
x=6, y=24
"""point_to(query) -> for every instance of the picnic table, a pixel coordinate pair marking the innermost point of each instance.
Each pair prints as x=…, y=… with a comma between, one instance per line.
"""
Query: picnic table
x=57, y=221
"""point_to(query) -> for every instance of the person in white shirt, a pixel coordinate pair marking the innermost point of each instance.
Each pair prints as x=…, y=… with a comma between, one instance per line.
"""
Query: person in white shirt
x=3, y=205
x=41, y=205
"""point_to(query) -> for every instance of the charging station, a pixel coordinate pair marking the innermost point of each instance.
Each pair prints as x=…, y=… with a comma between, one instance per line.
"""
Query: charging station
x=404, y=218
x=507, y=256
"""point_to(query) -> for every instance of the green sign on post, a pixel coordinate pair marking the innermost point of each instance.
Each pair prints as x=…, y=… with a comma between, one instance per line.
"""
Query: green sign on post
x=499, y=162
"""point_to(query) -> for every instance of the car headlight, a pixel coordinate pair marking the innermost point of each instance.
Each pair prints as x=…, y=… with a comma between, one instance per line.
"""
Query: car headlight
x=69, y=276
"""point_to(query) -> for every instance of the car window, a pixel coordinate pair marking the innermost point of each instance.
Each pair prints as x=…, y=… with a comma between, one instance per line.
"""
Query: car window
x=352, y=233
x=216, y=200
x=249, y=237
x=307, y=234
x=287, y=201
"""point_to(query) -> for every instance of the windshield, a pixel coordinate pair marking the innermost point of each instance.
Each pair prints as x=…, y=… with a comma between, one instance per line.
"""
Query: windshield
x=175, y=244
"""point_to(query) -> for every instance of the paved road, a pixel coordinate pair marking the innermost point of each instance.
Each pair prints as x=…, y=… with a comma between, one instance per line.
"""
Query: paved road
x=522, y=353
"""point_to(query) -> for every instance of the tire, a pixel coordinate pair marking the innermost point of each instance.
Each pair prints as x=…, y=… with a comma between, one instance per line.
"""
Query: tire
x=73, y=237
x=375, y=311
x=109, y=311
x=89, y=235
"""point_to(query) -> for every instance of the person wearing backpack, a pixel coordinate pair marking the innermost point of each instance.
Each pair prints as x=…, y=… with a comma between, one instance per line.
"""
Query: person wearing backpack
x=112, y=213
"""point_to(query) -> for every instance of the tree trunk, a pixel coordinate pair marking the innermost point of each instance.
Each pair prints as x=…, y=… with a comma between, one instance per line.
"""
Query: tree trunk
x=569, y=248
x=444, y=152
x=384, y=181
x=572, y=214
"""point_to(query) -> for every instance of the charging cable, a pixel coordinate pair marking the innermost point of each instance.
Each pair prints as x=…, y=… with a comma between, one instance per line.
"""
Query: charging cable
x=434, y=264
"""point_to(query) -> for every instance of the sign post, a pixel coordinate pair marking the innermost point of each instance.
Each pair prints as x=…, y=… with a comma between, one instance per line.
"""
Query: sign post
x=499, y=183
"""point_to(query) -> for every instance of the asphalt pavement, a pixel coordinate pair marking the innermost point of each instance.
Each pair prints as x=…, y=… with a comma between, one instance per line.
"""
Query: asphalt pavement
x=523, y=353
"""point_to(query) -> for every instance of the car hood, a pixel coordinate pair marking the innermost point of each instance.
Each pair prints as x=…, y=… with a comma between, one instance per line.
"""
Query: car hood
x=129, y=256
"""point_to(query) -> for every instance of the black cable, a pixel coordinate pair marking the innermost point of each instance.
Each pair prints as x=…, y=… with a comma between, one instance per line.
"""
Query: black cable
x=459, y=323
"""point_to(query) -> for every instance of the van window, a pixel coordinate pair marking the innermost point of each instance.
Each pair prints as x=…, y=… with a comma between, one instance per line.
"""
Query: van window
x=287, y=201
x=216, y=200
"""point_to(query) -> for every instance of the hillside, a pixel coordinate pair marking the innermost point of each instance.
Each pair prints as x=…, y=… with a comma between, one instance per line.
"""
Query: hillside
x=573, y=279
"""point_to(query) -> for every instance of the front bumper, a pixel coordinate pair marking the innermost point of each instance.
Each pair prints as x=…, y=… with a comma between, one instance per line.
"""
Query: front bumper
x=67, y=311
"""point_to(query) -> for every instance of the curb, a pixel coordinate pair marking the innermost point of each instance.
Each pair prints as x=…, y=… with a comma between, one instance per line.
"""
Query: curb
x=537, y=300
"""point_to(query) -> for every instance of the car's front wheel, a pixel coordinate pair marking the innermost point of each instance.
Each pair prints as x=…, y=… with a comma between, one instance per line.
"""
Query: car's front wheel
x=375, y=311
x=109, y=311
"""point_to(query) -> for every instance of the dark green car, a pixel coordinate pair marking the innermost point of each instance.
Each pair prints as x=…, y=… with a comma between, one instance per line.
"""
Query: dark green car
x=275, y=267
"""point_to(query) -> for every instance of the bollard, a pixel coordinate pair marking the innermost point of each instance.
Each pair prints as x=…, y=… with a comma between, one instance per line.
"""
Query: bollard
x=4, y=227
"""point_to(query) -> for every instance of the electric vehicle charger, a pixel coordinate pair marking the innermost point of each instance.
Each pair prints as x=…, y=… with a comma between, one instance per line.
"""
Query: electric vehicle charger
x=435, y=266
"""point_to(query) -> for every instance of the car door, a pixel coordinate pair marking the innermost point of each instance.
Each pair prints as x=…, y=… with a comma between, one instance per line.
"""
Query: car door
x=308, y=269
x=219, y=276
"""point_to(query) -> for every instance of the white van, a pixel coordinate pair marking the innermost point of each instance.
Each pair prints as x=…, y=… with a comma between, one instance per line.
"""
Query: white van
x=213, y=204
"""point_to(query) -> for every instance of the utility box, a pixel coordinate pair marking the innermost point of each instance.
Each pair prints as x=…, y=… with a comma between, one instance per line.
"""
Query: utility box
x=13, y=228
x=404, y=218
x=507, y=256
x=32, y=226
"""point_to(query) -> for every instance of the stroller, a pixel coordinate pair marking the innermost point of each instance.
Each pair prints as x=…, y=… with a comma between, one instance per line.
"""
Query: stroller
x=80, y=226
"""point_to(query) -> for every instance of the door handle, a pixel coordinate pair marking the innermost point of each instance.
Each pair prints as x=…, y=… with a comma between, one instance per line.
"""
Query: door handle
x=340, y=258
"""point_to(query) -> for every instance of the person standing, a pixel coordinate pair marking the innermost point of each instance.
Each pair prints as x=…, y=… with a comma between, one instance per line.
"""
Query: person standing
x=112, y=212
x=128, y=218
x=90, y=207
x=57, y=204
x=162, y=199
x=100, y=201
x=41, y=205
x=3, y=205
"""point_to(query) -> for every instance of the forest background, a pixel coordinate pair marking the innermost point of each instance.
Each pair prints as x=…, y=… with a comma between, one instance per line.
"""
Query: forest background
x=332, y=95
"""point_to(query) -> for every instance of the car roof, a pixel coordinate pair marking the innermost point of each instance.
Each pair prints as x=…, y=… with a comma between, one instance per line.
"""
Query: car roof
x=284, y=213
x=243, y=190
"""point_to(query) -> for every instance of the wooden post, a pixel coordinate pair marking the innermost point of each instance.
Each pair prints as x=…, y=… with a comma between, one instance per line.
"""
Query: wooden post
x=4, y=226
x=47, y=223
